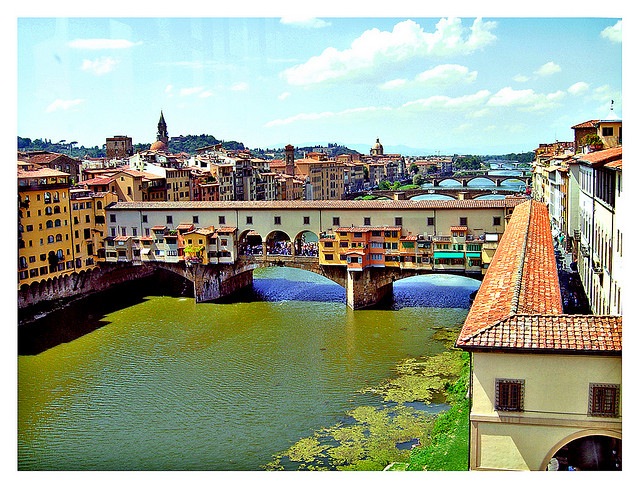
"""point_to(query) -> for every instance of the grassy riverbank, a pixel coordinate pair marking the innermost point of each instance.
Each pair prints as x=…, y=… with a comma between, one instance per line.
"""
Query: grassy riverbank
x=449, y=440
x=372, y=438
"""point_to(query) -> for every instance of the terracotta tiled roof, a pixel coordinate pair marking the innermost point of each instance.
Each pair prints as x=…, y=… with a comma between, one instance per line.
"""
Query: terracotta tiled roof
x=616, y=165
x=365, y=229
x=569, y=333
x=325, y=204
x=518, y=305
x=459, y=228
x=227, y=229
x=40, y=173
x=599, y=158
x=586, y=125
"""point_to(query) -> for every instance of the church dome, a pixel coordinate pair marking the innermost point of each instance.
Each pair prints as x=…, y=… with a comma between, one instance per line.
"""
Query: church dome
x=158, y=146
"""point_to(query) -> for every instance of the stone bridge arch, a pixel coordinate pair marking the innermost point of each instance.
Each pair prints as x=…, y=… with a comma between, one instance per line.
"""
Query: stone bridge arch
x=569, y=440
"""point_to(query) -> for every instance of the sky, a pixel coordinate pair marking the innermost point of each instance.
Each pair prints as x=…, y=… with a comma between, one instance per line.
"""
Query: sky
x=422, y=84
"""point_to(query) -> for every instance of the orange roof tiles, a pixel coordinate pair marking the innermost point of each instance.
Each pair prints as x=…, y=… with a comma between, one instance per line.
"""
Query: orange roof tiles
x=325, y=204
x=601, y=157
x=40, y=173
x=586, y=125
x=519, y=305
x=576, y=333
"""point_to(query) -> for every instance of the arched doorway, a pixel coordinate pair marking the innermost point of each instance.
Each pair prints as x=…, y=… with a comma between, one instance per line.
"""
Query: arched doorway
x=279, y=243
x=250, y=243
x=593, y=452
x=306, y=244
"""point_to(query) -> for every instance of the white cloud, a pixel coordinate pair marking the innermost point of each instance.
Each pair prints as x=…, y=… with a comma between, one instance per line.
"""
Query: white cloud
x=315, y=116
x=447, y=74
x=102, y=44
x=205, y=94
x=578, y=88
x=60, y=104
x=186, y=92
x=392, y=84
x=547, y=69
x=284, y=96
x=307, y=22
x=524, y=99
x=464, y=102
x=375, y=48
x=240, y=86
x=99, y=66
x=520, y=78
x=168, y=89
x=613, y=32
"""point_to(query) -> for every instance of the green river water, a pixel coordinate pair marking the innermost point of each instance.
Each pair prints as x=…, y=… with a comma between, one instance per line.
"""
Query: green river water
x=136, y=380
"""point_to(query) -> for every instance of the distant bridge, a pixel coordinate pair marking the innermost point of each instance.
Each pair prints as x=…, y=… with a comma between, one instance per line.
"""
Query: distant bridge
x=456, y=193
x=465, y=179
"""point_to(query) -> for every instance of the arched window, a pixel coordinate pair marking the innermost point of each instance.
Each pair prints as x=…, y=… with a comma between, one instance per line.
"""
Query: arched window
x=60, y=255
x=56, y=197
x=23, y=262
x=99, y=204
x=58, y=237
x=56, y=209
x=47, y=197
x=51, y=239
x=57, y=223
x=49, y=224
x=48, y=211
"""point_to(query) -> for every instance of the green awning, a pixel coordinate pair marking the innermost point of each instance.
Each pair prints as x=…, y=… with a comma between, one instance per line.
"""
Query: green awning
x=448, y=254
x=473, y=255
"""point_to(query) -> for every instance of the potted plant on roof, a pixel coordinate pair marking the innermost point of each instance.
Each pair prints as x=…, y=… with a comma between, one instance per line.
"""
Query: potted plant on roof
x=593, y=141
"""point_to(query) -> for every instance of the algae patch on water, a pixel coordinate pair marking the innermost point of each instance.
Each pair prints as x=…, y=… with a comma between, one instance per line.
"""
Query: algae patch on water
x=369, y=438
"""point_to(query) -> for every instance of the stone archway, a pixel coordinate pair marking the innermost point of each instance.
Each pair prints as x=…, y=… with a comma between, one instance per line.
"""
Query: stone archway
x=589, y=450
x=306, y=244
x=250, y=243
x=279, y=243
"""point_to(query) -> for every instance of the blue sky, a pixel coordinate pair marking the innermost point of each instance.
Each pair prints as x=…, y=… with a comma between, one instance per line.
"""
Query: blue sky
x=423, y=84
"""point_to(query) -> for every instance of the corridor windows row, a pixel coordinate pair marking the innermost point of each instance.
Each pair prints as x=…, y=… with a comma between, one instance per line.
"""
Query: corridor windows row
x=604, y=399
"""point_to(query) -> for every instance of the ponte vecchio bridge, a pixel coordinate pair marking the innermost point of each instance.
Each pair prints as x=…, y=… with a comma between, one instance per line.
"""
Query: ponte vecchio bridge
x=362, y=245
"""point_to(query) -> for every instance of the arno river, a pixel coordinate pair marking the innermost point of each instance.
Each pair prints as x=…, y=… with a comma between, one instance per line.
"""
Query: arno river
x=137, y=380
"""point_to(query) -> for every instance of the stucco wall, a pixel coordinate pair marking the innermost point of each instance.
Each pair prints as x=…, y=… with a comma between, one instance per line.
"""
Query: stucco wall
x=556, y=402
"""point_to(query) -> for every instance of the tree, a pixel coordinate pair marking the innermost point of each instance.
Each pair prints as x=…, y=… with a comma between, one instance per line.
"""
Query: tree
x=413, y=168
x=384, y=185
x=418, y=179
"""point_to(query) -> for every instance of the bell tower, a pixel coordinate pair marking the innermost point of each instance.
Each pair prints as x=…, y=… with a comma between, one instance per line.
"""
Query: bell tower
x=163, y=135
x=288, y=160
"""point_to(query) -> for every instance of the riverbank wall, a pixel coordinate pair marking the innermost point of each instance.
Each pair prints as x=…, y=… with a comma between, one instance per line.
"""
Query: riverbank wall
x=48, y=295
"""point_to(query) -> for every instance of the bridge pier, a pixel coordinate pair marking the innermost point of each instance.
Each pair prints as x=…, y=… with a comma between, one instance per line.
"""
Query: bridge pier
x=368, y=287
x=213, y=282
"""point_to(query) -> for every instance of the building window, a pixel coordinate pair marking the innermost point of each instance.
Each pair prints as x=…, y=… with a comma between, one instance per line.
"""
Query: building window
x=277, y=220
x=463, y=221
x=607, y=131
x=336, y=221
x=509, y=395
x=496, y=220
x=306, y=220
x=367, y=221
x=398, y=221
x=328, y=256
x=604, y=400
x=196, y=220
x=169, y=219
x=249, y=219
x=112, y=218
x=144, y=218
x=221, y=220
x=430, y=221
